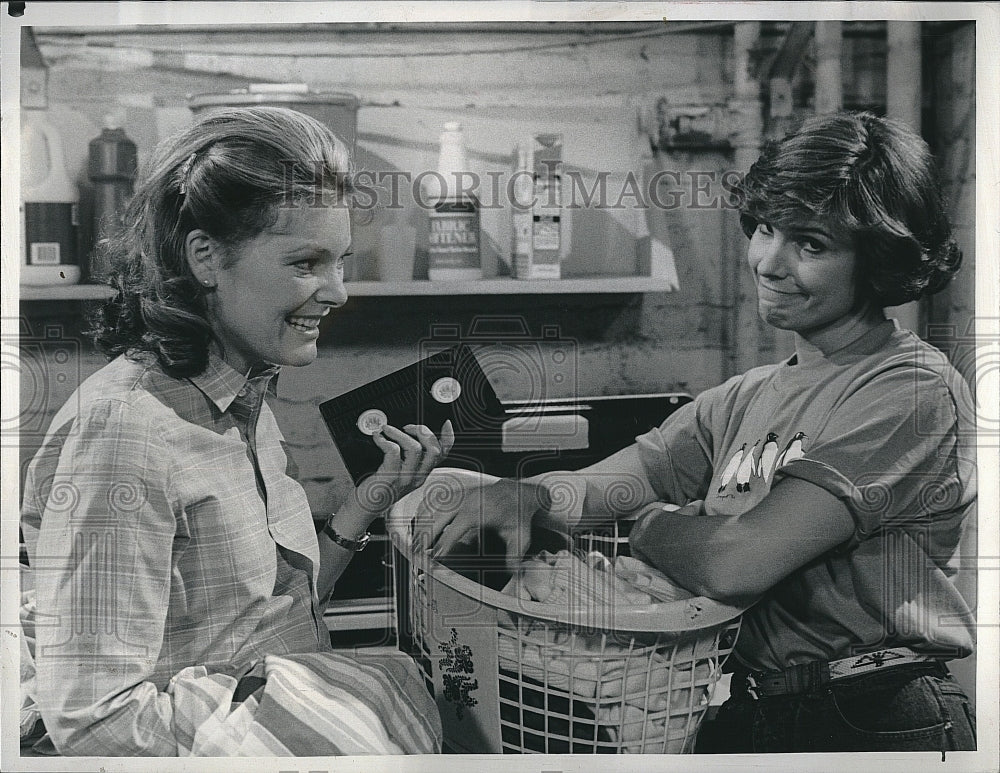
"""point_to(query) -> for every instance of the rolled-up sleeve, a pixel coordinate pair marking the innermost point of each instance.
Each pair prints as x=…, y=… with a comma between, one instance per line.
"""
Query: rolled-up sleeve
x=891, y=452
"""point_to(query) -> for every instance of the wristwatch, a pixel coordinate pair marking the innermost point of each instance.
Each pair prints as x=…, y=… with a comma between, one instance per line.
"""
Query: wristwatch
x=348, y=544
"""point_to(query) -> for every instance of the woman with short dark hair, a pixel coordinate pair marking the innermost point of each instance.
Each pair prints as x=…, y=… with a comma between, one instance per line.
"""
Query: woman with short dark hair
x=831, y=492
x=872, y=179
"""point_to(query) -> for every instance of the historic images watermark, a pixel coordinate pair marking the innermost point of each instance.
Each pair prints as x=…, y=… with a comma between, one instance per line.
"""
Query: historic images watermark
x=662, y=189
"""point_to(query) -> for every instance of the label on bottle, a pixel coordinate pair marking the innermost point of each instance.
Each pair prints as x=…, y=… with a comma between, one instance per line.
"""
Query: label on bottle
x=522, y=237
x=523, y=251
x=454, y=236
x=43, y=254
x=545, y=235
x=50, y=233
x=546, y=229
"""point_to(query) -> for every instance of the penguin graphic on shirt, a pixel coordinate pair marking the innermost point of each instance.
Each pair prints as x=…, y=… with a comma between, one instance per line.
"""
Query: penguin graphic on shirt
x=792, y=451
x=767, y=456
x=746, y=470
x=730, y=471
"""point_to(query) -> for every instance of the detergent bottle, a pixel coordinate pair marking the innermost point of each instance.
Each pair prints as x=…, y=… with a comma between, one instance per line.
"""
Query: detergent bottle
x=453, y=246
x=50, y=206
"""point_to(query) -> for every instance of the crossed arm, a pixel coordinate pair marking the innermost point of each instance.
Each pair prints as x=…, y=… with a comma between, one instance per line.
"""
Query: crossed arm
x=719, y=556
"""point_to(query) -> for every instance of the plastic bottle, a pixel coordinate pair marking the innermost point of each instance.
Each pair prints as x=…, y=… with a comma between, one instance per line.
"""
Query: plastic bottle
x=523, y=189
x=453, y=243
x=50, y=213
x=111, y=167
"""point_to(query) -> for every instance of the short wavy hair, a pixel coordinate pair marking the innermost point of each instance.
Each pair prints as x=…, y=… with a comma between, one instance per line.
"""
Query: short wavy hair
x=871, y=177
x=228, y=175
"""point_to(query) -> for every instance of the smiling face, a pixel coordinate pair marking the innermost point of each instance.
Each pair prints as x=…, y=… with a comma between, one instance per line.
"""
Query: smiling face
x=806, y=283
x=272, y=290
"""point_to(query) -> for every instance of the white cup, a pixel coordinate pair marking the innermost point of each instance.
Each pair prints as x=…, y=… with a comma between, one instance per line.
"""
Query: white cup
x=394, y=246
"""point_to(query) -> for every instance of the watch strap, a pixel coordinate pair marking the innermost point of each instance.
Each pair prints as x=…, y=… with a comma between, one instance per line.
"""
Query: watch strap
x=348, y=544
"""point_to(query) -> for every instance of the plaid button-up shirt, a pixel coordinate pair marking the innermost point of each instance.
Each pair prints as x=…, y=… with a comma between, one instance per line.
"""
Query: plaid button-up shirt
x=157, y=543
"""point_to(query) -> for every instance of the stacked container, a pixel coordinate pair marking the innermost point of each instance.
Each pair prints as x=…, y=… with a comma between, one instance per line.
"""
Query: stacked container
x=539, y=236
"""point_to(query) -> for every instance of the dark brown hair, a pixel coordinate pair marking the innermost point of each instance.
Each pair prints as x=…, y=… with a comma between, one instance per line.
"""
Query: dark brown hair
x=228, y=175
x=871, y=177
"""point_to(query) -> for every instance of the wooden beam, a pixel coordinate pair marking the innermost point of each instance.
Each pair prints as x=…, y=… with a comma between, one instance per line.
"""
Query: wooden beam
x=904, y=91
x=789, y=53
x=829, y=77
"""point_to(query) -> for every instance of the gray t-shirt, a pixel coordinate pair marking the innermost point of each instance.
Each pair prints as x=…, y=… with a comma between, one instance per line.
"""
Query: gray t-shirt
x=886, y=425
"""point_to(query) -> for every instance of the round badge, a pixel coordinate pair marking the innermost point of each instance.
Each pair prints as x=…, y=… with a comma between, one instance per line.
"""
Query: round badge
x=372, y=420
x=446, y=390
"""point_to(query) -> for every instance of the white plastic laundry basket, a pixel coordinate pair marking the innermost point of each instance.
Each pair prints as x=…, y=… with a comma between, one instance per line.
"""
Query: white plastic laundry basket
x=517, y=676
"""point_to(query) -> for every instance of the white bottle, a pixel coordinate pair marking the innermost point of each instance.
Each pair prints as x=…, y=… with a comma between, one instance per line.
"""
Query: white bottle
x=453, y=242
x=49, y=206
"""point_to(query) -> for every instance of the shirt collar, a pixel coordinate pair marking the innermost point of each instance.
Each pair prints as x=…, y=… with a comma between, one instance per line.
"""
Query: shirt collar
x=221, y=384
x=866, y=344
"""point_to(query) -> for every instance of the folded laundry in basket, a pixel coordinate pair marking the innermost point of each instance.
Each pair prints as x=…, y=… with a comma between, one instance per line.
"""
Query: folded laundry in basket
x=569, y=674
x=635, y=704
x=647, y=691
x=647, y=680
x=629, y=724
x=565, y=579
x=592, y=579
x=649, y=579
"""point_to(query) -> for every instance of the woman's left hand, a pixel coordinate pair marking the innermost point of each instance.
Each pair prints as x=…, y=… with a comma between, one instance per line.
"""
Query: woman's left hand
x=410, y=455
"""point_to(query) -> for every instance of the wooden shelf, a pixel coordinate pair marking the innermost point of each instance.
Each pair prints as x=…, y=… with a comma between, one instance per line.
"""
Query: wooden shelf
x=611, y=284
x=80, y=292
x=614, y=284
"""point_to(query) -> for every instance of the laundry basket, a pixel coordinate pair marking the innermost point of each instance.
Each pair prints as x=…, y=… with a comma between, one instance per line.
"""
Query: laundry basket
x=517, y=676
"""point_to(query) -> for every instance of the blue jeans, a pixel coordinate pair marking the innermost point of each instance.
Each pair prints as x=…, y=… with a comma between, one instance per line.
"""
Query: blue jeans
x=913, y=707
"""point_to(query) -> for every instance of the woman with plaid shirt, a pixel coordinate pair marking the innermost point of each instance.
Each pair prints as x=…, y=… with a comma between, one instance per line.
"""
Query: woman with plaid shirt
x=177, y=573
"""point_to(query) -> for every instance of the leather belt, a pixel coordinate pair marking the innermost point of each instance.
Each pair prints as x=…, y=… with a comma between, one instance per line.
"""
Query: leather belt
x=806, y=676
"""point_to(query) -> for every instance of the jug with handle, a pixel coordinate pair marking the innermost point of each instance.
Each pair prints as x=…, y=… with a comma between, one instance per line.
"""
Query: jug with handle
x=49, y=206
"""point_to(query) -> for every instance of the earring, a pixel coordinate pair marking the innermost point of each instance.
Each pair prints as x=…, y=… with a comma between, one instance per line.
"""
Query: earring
x=207, y=282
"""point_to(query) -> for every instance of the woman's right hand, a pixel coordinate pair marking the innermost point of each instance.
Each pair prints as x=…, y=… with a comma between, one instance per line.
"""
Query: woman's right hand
x=410, y=455
x=488, y=521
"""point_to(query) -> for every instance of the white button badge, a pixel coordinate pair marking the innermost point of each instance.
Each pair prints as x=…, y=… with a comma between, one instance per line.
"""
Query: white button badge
x=446, y=390
x=372, y=420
